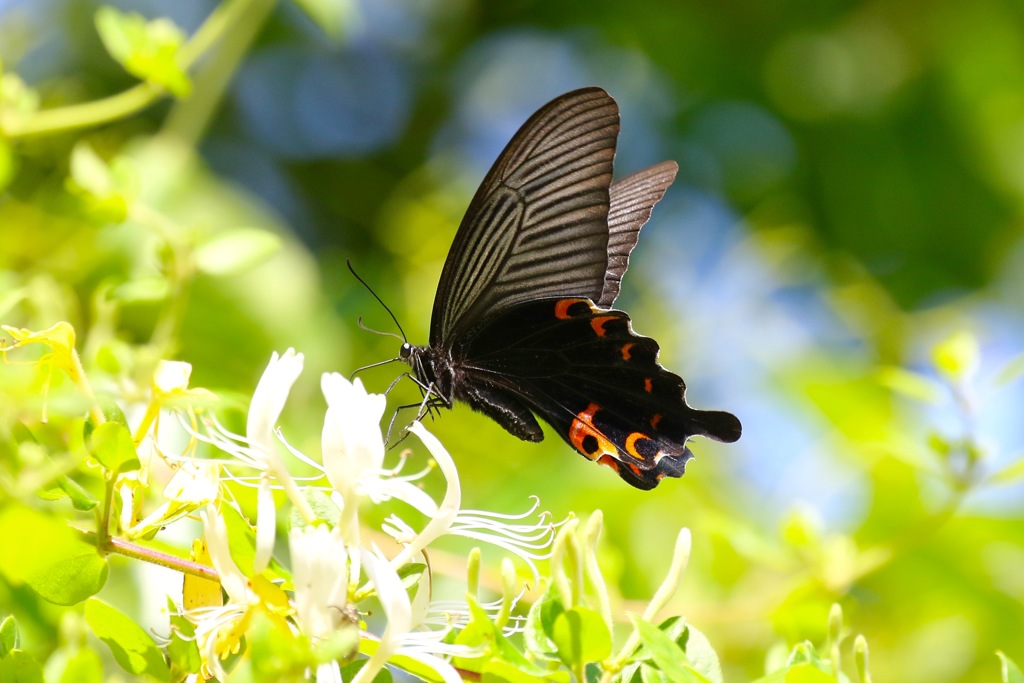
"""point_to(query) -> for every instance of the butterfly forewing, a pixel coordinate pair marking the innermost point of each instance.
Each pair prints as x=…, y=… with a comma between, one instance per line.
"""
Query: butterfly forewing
x=538, y=225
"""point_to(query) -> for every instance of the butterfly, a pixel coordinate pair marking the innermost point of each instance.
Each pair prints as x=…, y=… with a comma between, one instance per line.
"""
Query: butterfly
x=523, y=325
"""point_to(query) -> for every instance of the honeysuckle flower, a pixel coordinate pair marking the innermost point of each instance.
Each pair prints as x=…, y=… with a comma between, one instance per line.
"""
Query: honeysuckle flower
x=169, y=389
x=530, y=541
x=195, y=485
x=320, y=575
x=353, y=454
x=219, y=630
x=445, y=514
x=258, y=449
x=328, y=562
x=398, y=637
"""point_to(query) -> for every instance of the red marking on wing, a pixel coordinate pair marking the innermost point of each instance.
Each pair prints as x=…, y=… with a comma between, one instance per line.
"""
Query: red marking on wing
x=598, y=324
x=562, y=307
x=583, y=427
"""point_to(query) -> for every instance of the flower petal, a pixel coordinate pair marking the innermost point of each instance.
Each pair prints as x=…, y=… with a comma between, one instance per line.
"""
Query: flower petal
x=352, y=443
x=269, y=398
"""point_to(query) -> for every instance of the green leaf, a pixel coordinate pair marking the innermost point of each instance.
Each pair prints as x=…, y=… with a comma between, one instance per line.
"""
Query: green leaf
x=146, y=49
x=805, y=653
x=534, y=635
x=330, y=15
x=111, y=444
x=481, y=631
x=540, y=622
x=799, y=673
x=183, y=649
x=1011, y=371
x=349, y=671
x=49, y=557
x=1011, y=672
x=631, y=673
x=236, y=251
x=17, y=100
x=957, y=356
x=143, y=290
x=649, y=674
x=241, y=538
x=669, y=657
x=581, y=636
x=410, y=574
x=111, y=411
x=133, y=648
x=323, y=507
x=497, y=671
x=407, y=664
x=913, y=385
x=10, y=638
x=703, y=657
x=84, y=666
x=80, y=498
x=104, y=192
x=8, y=167
x=1011, y=474
x=19, y=667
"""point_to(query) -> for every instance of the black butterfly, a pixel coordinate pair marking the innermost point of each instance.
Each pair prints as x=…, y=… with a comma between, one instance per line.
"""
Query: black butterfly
x=522, y=320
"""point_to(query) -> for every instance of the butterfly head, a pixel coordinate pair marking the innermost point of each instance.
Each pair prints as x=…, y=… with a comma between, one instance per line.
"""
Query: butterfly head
x=426, y=366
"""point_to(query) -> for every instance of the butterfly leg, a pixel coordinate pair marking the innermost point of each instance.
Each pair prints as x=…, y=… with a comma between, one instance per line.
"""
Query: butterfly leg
x=431, y=401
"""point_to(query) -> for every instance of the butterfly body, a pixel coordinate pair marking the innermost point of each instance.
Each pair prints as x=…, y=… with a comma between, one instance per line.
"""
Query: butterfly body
x=523, y=324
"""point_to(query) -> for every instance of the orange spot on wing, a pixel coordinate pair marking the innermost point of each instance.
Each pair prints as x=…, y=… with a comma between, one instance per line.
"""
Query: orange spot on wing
x=562, y=307
x=582, y=430
x=599, y=322
x=631, y=444
x=656, y=420
x=648, y=385
x=609, y=461
x=627, y=350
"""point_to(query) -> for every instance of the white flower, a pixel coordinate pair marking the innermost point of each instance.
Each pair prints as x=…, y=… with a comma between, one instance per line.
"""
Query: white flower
x=398, y=637
x=353, y=454
x=530, y=542
x=258, y=449
x=320, y=575
x=219, y=630
x=195, y=484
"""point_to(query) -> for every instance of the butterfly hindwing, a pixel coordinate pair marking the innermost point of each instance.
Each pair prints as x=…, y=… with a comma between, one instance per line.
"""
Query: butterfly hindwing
x=538, y=224
x=632, y=200
x=598, y=383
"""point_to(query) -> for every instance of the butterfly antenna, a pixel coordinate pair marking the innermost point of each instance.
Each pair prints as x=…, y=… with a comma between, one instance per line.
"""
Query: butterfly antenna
x=352, y=270
x=366, y=328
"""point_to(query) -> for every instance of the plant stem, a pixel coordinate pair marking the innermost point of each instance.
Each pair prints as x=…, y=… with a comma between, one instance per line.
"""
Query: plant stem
x=93, y=113
x=138, y=97
x=138, y=552
x=189, y=118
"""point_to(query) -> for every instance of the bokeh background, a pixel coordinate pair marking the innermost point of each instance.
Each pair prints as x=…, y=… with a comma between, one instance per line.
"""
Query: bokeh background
x=849, y=200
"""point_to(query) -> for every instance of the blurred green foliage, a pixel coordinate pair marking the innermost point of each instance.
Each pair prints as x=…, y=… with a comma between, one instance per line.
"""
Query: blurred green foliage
x=863, y=314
